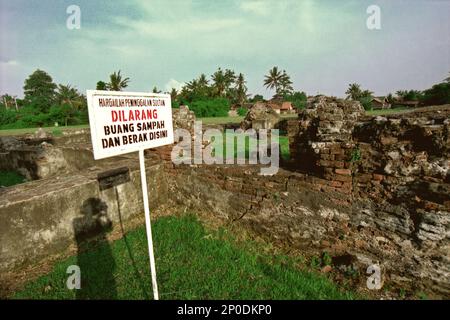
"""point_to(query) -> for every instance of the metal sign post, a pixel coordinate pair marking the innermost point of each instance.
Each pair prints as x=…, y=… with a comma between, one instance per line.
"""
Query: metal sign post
x=148, y=224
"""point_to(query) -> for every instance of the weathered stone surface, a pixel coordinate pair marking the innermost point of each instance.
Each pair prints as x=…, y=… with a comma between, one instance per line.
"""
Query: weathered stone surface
x=260, y=116
x=37, y=218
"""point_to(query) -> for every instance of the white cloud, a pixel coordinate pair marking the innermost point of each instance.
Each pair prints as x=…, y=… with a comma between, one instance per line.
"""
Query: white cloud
x=256, y=7
x=174, y=84
x=9, y=63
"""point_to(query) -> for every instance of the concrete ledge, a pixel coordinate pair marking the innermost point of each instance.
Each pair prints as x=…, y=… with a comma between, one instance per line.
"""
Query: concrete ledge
x=43, y=217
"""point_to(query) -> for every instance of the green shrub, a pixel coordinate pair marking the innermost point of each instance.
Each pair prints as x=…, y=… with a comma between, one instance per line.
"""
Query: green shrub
x=355, y=155
x=10, y=178
x=298, y=99
x=218, y=107
x=7, y=116
x=242, y=112
x=57, y=132
x=366, y=102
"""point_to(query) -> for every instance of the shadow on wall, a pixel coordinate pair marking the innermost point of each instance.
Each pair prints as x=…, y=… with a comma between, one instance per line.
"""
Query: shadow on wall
x=97, y=267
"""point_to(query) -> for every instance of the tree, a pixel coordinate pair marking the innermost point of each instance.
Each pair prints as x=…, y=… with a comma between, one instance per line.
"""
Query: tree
x=219, y=82
x=411, y=95
x=8, y=102
x=230, y=78
x=401, y=94
x=101, y=85
x=285, y=84
x=390, y=98
x=298, y=99
x=202, y=81
x=354, y=91
x=173, y=94
x=116, y=83
x=366, y=94
x=67, y=95
x=155, y=90
x=256, y=98
x=241, y=89
x=437, y=94
x=273, y=79
x=202, y=90
x=39, y=89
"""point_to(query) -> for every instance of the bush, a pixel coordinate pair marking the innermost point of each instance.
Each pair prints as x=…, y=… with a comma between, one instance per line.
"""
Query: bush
x=298, y=99
x=366, y=102
x=438, y=94
x=242, y=112
x=7, y=116
x=218, y=107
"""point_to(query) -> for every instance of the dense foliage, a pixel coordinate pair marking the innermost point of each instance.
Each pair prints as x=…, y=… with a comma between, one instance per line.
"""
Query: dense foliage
x=216, y=107
x=297, y=98
x=45, y=103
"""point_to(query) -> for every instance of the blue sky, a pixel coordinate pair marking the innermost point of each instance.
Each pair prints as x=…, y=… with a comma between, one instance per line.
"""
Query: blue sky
x=323, y=45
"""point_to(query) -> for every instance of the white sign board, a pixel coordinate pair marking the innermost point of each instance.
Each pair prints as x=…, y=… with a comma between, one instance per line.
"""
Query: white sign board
x=123, y=122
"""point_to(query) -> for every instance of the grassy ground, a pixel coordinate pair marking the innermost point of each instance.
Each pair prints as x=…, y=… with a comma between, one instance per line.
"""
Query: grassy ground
x=388, y=111
x=191, y=262
x=13, y=132
x=220, y=120
x=283, y=140
x=10, y=178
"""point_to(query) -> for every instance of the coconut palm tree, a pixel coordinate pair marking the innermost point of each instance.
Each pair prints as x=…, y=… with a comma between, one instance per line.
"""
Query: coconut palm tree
x=230, y=78
x=173, y=94
x=241, y=89
x=285, y=84
x=116, y=83
x=273, y=79
x=202, y=80
x=401, y=94
x=219, y=82
x=101, y=85
x=354, y=91
x=155, y=90
x=67, y=95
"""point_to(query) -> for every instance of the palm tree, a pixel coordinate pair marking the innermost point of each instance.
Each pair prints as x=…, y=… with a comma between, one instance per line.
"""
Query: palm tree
x=354, y=91
x=155, y=90
x=285, y=84
x=390, y=98
x=202, y=80
x=101, y=86
x=67, y=95
x=219, y=82
x=173, y=94
x=366, y=94
x=230, y=78
x=401, y=94
x=192, y=85
x=273, y=79
x=116, y=83
x=241, y=89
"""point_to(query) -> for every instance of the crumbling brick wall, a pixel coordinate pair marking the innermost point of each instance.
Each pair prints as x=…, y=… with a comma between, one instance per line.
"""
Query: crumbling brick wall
x=395, y=170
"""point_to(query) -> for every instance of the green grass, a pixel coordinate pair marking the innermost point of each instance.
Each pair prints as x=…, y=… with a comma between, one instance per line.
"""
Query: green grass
x=388, y=111
x=236, y=120
x=13, y=132
x=220, y=120
x=191, y=262
x=283, y=140
x=10, y=178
